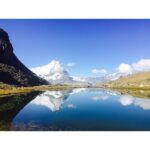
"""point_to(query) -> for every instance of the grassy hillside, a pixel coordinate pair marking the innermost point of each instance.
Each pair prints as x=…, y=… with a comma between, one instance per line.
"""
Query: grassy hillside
x=5, y=86
x=139, y=80
x=12, y=75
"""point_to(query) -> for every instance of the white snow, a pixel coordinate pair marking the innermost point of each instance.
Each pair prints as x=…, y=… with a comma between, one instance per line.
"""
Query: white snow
x=53, y=67
x=53, y=72
x=50, y=99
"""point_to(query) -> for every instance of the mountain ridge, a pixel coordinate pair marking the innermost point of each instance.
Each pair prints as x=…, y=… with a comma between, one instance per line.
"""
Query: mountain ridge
x=55, y=73
x=12, y=70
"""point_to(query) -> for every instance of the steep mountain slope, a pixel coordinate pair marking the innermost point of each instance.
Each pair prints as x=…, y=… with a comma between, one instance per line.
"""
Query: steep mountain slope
x=134, y=80
x=12, y=71
x=55, y=73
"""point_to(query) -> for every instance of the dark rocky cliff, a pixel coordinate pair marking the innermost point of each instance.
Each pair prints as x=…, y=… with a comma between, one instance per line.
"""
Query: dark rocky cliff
x=12, y=70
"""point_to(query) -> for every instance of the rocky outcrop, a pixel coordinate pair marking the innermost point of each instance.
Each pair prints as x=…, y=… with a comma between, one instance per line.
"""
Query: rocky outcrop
x=6, y=49
x=12, y=70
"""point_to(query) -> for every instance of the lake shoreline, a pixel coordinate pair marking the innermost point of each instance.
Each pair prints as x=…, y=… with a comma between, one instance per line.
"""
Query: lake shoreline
x=106, y=109
x=21, y=90
x=140, y=92
x=11, y=90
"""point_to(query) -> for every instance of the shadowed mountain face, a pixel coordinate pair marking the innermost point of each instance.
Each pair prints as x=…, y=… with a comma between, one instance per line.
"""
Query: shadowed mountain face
x=11, y=105
x=12, y=71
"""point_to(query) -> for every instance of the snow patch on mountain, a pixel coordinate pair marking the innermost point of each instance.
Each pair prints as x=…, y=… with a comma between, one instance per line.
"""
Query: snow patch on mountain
x=53, y=67
x=55, y=73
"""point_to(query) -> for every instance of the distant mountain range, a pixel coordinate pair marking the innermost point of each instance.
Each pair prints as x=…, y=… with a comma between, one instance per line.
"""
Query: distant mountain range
x=103, y=79
x=12, y=71
x=55, y=73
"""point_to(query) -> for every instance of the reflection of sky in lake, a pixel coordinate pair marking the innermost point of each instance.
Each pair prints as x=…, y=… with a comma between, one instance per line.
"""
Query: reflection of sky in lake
x=84, y=109
x=130, y=100
x=125, y=100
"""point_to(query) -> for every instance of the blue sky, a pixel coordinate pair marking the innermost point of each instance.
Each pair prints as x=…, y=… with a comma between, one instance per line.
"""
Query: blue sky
x=102, y=44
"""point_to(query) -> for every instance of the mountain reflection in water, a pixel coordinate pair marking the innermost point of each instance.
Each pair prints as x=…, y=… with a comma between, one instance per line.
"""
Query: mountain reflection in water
x=51, y=99
x=10, y=107
x=79, y=109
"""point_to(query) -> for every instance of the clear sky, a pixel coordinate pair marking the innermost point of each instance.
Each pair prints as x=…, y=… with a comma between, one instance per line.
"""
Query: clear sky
x=102, y=44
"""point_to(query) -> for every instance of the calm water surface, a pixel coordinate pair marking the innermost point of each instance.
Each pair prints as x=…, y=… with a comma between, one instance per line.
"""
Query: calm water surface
x=75, y=110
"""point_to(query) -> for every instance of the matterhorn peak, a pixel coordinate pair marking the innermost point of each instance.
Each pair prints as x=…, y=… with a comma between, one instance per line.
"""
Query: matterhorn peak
x=54, y=66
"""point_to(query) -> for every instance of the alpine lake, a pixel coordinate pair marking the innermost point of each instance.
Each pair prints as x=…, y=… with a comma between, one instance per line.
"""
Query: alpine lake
x=80, y=109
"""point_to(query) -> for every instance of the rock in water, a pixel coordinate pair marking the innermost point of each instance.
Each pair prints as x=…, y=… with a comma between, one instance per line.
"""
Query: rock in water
x=12, y=71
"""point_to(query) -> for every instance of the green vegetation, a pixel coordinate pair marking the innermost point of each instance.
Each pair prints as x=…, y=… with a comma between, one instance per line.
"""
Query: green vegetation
x=13, y=75
x=140, y=93
x=5, y=86
x=137, y=85
x=11, y=90
x=134, y=81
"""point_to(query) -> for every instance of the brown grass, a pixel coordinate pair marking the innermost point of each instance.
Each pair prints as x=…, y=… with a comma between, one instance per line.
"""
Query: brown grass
x=17, y=90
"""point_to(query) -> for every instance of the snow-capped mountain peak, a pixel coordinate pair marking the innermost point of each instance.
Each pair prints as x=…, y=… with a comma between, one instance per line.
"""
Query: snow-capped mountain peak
x=53, y=67
x=54, y=72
